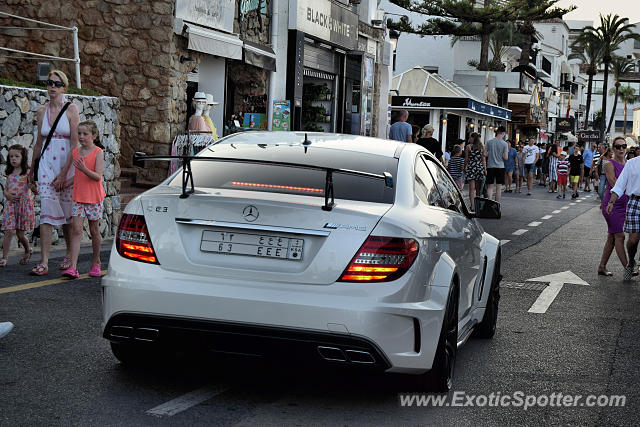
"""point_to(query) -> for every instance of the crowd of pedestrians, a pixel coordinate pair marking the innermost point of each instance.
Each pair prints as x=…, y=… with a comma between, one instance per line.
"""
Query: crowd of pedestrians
x=613, y=172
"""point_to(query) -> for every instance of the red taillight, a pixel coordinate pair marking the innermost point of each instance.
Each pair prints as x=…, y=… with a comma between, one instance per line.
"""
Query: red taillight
x=132, y=240
x=381, y=259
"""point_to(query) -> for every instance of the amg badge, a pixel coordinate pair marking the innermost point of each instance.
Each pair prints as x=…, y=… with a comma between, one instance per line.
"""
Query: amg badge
x=335, y=226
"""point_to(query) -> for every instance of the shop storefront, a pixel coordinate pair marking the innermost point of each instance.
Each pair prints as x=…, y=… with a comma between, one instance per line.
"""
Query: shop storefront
x=321, y=34
x=453, y=112
x=231, y=58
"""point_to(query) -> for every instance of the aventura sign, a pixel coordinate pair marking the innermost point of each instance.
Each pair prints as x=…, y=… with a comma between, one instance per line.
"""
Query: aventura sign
x=452, y=103
x=217, y=14
x=326, y=20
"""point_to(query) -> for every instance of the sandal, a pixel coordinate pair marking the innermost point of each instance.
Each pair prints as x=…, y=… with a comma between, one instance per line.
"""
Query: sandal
x=3, y=262
x=66, y=263
x=25, y=259
x=71, y=273
x=40, y=270
x=604, y=273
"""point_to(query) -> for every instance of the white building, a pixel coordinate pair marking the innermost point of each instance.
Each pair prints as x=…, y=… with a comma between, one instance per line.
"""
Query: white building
x=631, y=50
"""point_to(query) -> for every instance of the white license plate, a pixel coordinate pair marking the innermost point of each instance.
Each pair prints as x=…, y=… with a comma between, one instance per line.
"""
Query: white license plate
x=262, y=245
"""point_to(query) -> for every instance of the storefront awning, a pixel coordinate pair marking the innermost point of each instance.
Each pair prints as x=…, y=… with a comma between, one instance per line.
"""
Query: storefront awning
x=214, y=42
x=259, y=55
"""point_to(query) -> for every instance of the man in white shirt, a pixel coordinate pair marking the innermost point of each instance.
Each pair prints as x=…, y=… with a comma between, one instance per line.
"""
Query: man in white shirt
x=629, y=182
x=531, y=156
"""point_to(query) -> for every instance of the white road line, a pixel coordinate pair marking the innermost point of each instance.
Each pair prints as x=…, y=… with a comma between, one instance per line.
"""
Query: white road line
x=504, y=242
x=519, y=232
x=564, y=207
x=534, y=224
x=549, y=216
x=556, y=211
x=572, y=203
x=185, y=402
x=578, y=201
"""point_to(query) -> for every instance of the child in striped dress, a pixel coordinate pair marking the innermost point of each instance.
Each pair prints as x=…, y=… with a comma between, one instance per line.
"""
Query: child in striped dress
x=563, y=172
x=456, y=165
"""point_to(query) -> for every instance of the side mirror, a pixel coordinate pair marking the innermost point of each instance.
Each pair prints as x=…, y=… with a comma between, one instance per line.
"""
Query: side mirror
x=486, y=208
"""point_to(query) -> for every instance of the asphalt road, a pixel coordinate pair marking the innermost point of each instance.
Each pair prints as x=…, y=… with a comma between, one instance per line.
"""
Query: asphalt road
x=55, y=369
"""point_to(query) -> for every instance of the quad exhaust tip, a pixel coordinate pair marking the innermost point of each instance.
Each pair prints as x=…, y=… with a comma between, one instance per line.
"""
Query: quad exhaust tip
x=334, y=354
x=138, y=334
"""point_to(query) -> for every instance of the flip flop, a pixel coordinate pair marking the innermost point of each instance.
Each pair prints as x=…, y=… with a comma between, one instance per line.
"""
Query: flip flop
x=40, y=270
x=605, y=273
x=25, y=259
x=65, y=264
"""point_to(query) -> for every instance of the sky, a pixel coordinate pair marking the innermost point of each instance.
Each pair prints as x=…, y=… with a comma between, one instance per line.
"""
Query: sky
x=590, y=10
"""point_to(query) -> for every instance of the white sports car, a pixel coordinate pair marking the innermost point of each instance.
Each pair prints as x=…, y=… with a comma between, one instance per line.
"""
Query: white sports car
x=337, y=248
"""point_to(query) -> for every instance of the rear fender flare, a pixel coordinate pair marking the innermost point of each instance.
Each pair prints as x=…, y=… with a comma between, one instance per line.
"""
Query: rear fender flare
x=491, y=248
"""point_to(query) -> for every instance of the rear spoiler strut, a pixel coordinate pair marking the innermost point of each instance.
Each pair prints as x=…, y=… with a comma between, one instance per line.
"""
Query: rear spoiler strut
x=187, y=175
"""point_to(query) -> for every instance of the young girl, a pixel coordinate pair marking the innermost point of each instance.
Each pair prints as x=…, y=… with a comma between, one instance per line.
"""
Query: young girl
x=19, y=215
x=88, y=194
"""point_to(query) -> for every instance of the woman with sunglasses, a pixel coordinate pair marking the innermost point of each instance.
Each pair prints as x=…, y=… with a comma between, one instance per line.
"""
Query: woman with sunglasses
x=615, y=218
x=55, y=168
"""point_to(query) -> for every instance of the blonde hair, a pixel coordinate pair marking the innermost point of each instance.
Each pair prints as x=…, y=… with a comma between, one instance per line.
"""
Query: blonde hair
x=61, y=75
x=426, y=129
x=93, y=128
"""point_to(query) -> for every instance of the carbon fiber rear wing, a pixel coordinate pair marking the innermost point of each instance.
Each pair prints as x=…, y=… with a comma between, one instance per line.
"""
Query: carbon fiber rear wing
x=140, y=158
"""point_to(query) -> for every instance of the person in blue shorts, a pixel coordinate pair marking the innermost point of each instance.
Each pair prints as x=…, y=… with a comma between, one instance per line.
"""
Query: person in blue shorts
x=510, y=165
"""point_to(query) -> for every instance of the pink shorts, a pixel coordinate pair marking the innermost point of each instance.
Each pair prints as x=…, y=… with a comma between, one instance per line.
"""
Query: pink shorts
x=93, y=211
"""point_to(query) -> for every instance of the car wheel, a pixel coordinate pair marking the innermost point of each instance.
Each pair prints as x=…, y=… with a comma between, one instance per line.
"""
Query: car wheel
x=487, y=328
x=440, y=377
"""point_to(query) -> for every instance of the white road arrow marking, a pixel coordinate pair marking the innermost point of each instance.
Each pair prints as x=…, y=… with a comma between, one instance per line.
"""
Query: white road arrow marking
x=556, y=281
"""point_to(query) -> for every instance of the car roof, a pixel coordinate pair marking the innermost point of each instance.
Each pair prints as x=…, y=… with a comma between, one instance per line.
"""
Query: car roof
x=334, y=141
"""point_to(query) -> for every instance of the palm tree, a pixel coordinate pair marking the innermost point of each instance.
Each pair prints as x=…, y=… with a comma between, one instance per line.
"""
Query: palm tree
x=611, y=33
x=588, y=50
x=628, y=96
x=620, y=65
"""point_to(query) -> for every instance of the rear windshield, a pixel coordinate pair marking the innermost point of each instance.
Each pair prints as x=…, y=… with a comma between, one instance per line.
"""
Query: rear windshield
x=285, y=179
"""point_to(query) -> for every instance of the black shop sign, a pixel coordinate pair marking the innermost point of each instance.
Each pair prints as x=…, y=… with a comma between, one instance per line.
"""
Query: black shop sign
x=565, y=124
x=588, y=135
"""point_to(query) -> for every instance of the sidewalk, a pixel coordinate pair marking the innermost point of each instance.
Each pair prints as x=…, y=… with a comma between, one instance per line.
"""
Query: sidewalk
x=57, y=251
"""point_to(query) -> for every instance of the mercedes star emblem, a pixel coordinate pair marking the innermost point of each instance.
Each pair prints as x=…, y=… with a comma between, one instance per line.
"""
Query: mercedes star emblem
x=250, y=213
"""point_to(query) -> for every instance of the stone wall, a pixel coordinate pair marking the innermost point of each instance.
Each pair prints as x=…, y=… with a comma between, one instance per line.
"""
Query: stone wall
x=18, y=125
x=127, y=50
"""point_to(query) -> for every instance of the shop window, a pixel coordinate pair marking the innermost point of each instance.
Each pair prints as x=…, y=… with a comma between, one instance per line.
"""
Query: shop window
x=318, y=98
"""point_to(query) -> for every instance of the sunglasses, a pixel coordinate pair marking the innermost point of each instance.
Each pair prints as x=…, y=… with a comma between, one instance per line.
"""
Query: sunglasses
x=620, y=147
x=54, y=83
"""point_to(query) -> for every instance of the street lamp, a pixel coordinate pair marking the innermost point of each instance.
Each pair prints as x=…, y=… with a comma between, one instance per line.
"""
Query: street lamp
x=393, y=39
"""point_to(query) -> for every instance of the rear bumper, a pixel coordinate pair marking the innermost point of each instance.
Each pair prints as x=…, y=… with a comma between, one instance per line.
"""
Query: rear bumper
x=246, y=317
x=226, y=337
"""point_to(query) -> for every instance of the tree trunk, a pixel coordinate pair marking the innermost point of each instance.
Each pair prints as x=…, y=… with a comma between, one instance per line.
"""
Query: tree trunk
x=606, y=61
x=624, y=125
x=485, y=38
x=615, y=105
x=589, y=89
x=526, y=51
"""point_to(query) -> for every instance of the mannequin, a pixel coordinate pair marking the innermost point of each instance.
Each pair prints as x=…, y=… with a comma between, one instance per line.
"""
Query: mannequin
x=206, y=114
x=197, y=122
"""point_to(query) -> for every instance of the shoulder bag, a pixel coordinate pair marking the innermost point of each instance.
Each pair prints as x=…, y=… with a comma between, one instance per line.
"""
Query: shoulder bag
x=36, y=163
